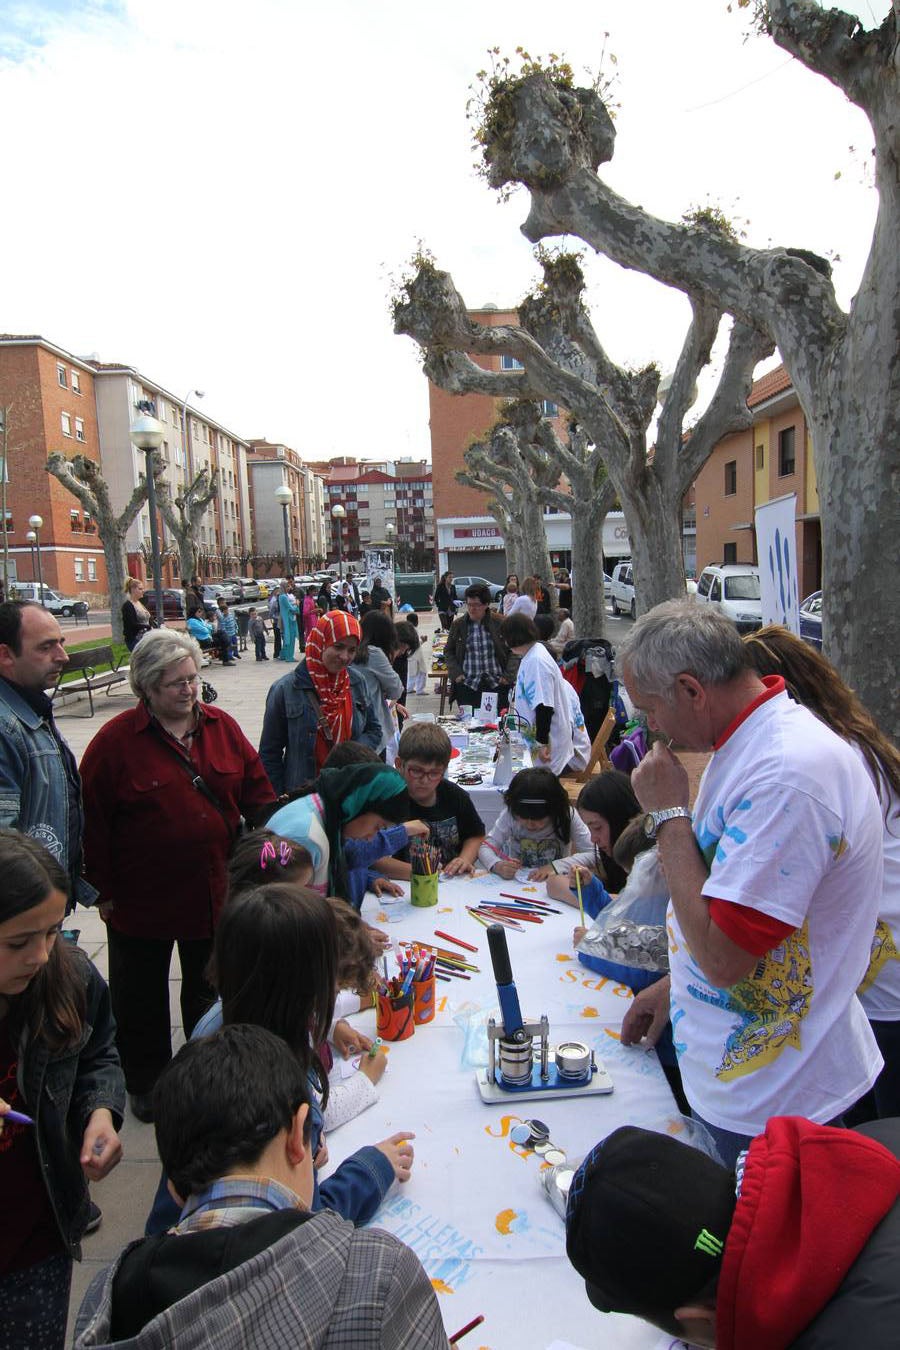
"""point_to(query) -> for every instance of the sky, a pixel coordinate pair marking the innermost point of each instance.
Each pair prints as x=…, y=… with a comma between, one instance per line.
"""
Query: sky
x=224, y=194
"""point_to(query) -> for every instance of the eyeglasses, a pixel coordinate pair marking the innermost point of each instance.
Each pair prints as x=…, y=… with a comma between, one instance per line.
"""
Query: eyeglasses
x=182, y=684
x=414, y=771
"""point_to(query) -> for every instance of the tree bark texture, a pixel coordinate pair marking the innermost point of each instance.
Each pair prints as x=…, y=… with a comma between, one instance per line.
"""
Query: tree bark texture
x=843, y=366
x=183, y=516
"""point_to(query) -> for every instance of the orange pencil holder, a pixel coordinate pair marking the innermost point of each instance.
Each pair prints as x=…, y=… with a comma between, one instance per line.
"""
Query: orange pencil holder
x=423, y=1009
x=395, y=1020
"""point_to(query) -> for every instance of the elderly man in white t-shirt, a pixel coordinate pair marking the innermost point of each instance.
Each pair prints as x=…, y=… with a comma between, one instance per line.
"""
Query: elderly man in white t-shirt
x=774, y=882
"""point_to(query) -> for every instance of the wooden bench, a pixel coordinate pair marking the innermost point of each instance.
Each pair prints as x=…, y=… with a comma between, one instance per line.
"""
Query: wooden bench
x=90, y=679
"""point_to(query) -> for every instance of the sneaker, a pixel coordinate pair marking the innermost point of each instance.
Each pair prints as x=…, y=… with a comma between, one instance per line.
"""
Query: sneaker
x=229, y=663
x=142, y=1107
x=95, y=1219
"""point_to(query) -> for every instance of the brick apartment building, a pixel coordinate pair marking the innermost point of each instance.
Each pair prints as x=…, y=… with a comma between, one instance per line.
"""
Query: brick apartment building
x=48, y=400
x=770, y=459
x=77, y=405
x=272, y=465
x=386, y=502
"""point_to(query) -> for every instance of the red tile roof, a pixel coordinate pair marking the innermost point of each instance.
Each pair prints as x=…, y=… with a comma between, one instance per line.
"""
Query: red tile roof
x=768, y=385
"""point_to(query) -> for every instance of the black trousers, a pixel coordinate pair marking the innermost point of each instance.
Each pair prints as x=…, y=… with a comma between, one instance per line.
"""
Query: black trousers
x=139, y=989
x=276, y=639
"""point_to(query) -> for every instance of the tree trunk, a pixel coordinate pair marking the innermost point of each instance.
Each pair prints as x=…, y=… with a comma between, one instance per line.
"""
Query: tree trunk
x=588, y=609
x=113, y=541
x=536, y=553
x=656, y=543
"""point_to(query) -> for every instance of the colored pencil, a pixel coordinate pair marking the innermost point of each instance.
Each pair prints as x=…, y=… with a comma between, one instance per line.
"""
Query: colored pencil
x=459, y=942
x=511, y=914
x=475, y=915
x=578, y=893
x=470, y=1326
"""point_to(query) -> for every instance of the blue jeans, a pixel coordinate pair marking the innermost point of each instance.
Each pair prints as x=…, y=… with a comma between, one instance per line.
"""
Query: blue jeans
x=730, y=1144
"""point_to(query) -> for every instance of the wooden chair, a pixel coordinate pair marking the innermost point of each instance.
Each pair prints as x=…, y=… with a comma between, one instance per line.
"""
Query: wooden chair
x=597, y=759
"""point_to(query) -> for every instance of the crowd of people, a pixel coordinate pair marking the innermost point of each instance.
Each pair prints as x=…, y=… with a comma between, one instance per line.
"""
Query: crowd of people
x=775, y=1021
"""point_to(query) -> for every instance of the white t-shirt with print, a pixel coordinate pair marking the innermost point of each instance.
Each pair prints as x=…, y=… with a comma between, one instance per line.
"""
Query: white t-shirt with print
x=540, y=680
x=789, y=824
x=879, y=992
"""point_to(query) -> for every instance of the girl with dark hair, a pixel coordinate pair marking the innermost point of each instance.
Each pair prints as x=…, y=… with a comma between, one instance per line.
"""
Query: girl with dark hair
x=62, y=1094
x=384, y=687
x=275, y=965
x=536, y=829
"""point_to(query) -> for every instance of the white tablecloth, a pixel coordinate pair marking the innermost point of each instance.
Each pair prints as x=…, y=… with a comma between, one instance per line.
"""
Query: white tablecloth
x=473, y=1210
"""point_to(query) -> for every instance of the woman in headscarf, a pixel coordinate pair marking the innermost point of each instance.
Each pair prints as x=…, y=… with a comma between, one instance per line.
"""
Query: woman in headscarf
x=287, y=612
x=349, y=819
x=318, y=705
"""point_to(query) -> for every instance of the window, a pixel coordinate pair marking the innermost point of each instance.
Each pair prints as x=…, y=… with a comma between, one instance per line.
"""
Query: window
x=61, y=376
x=731, y=478
x=510, y=363
x=74, y=521
x=548, y=408
x=729, y=553
x=89, y=526
x=760, y=457
x=9, y=522
x=76, y=382
x=79, y=569
x=92, y=569
x=66, y=422
x=79, y=428
x=786, y=461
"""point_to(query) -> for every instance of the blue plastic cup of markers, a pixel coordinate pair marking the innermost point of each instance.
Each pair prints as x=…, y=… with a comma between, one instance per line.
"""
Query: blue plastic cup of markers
x=423, y=889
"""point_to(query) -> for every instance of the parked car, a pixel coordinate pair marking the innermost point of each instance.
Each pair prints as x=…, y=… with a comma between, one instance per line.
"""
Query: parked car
x=622, y=590
x=212, y=590
x=173, y=602
x=734, y=587
x=66, y=605
x=301, y=583
x=461, y=583
x=811, y=620
x=607, y=586
x=246, y=587
x=230, y=589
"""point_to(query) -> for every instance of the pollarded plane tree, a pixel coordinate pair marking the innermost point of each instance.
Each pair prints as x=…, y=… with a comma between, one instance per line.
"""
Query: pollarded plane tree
x=540, y=131
x=503, y=502
x=563, y=359
x=183, y=515
x=84, y=480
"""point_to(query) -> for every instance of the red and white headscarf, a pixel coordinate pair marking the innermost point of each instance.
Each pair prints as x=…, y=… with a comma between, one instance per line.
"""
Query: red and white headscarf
x=333, y=691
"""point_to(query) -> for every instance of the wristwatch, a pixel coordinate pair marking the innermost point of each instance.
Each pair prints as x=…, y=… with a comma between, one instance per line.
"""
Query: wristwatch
x=653, y=819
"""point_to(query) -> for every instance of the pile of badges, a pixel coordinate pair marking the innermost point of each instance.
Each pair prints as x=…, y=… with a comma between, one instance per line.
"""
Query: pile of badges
x=535, y=1134
x=643, y=945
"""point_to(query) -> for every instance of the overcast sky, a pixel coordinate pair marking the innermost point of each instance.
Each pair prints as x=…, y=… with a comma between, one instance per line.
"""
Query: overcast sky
x=220, y=193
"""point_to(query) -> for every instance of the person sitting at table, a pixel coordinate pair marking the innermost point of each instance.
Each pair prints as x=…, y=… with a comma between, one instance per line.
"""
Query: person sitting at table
x=233, y=1132
x=794, y=1247
x=564, y=633
x=605, y=805
x=478, y=660
x=547, y=715
x=455, y=827
x=536, y=828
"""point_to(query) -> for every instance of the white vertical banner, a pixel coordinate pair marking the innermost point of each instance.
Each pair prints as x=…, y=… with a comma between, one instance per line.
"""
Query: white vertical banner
x=379, y=562
x=776, y=542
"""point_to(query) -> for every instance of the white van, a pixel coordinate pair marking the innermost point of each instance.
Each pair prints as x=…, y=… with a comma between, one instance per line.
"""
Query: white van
x=734, y=587
x=65, y=605
x=621, y=589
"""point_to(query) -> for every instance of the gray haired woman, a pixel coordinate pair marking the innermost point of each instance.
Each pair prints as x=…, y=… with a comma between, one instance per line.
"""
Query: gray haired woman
x=165, y=787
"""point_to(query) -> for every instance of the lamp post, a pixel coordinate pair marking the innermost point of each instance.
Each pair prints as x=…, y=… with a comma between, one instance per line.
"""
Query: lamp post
x=188, y=456
x=36, y=522
x=31, y=540
x=338, y=513
x=147, y=435
x=284, y=497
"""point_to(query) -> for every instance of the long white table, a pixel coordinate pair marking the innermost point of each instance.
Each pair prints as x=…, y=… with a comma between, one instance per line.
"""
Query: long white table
x=473, y=1210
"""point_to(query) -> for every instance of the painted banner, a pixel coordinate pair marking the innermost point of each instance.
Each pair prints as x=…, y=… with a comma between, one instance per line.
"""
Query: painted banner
x=378, y=562
x=776, y=542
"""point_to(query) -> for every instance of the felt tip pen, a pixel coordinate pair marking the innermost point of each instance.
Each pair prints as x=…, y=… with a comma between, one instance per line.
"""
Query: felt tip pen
x=374, y=1047
x=464, y=1331
x=17, y=1118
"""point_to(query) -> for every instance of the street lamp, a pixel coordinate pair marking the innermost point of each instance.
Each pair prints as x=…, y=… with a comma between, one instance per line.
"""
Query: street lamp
x=188, y=455
x=36, y=522
x=338, y=513
x=148, y=435
x=31, y=540
x=284, y=497
x=390, y=530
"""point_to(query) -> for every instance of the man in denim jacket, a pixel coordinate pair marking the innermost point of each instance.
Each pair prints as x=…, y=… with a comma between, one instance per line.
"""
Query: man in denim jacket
x=40, y=790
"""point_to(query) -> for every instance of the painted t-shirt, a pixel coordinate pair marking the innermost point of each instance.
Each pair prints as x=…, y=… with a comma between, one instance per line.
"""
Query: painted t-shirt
x=540, y=680
x=789, y=824
x=879, y=992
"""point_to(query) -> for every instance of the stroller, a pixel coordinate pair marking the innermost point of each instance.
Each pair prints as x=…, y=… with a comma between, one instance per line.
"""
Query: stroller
x=588, y=665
